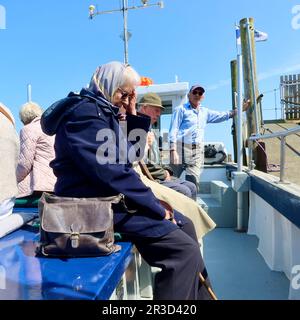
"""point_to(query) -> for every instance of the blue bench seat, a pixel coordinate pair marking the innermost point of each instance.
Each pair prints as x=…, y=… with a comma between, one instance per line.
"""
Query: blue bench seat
x=23, y=276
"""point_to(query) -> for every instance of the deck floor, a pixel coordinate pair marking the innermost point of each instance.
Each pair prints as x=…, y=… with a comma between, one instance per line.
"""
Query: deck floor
x=237, y=270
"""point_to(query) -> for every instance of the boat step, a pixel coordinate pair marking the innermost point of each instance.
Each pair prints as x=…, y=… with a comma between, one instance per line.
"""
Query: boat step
x=207, y=201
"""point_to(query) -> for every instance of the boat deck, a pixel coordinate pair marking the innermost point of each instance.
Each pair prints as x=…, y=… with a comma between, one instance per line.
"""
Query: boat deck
x=237, y=270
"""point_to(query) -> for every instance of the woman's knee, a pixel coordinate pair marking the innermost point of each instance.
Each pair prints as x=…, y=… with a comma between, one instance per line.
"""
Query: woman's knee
x=189, y=229
x=191, y=255
x=187, y=243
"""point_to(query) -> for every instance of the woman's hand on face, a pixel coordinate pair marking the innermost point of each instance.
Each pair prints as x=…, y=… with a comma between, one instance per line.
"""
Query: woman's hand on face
x=131, y=103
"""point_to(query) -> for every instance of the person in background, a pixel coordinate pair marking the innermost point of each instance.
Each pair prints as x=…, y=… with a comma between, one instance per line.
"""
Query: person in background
x=151, y=105
x=186, y=134
x=34, y=174
x=9, y=152
x=164, y=237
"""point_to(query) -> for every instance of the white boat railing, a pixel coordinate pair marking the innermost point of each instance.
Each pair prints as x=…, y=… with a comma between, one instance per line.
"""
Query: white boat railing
x=282, y=135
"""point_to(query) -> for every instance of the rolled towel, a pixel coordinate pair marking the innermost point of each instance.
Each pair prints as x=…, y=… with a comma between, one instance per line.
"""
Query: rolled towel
x=14, y=222
x=6, y=207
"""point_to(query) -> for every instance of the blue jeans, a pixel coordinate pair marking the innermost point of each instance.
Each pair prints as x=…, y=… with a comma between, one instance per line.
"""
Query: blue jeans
x=187, y=188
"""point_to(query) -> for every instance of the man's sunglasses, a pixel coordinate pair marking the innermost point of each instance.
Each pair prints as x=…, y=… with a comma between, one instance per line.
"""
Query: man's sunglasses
x=197, y=92
x=124, y=94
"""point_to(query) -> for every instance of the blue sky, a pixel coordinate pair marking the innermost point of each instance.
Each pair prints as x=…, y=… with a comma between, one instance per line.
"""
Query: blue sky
x=54, y=46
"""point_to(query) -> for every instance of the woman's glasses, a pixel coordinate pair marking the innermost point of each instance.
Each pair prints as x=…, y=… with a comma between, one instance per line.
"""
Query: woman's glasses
x=124, y=94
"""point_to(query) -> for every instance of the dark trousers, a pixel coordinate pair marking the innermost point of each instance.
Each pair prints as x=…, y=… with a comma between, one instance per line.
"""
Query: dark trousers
x=178, y=255
x=30, y=201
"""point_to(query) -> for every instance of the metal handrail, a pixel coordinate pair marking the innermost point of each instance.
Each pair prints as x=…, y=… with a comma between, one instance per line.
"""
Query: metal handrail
x=282, y=135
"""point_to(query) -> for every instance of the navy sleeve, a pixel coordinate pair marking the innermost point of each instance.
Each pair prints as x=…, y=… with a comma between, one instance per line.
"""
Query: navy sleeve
x=81, y=132
x=141, y=121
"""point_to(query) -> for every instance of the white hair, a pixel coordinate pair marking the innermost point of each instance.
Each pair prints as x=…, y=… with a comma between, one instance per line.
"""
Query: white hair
x=130, y=76
x=109, y=77
x=30, y=111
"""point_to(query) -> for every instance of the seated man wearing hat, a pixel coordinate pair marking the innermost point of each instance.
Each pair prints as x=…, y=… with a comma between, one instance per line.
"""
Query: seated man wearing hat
x=151, y=105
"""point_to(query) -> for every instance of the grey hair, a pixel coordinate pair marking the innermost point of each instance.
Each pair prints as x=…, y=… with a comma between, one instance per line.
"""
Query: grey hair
x=30, y=111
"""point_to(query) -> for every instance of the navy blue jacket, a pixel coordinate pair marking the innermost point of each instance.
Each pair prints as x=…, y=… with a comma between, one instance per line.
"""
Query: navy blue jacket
x=76, y=122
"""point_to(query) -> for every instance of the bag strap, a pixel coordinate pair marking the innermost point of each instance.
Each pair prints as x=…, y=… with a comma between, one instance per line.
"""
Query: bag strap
x=7, y=115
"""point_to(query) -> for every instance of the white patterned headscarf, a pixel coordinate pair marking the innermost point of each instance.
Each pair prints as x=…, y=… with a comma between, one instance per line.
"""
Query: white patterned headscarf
x=107, y=79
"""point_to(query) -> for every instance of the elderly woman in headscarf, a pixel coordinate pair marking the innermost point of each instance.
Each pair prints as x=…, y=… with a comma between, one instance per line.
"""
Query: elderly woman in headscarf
x=91, y=162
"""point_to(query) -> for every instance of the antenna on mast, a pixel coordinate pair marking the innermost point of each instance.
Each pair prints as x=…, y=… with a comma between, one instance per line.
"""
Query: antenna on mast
x=29, y=93
x=93, y=11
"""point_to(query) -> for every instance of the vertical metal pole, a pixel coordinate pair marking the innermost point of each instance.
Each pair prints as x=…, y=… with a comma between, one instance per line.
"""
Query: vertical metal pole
x=240, y=211
x=29, y=93
x=234, y=90
x=282, y=159
x=252, y=77
x=125, y=10
x=240, y=114
x=250, y=154
x=275, y=103
x=240, y=139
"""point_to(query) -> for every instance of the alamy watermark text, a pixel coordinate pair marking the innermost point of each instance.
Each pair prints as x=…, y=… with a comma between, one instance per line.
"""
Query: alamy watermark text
x=296, y=277
x=296, y=17
x=2, y=17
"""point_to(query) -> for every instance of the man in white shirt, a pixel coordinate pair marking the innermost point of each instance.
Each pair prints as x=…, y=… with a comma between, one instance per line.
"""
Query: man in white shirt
x=186, y=134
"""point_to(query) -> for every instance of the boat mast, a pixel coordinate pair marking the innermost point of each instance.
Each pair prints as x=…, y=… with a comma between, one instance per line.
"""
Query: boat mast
x=126, y=35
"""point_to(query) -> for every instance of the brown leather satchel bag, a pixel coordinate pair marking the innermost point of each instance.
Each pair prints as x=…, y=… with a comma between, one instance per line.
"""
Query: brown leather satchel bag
x=76, y=227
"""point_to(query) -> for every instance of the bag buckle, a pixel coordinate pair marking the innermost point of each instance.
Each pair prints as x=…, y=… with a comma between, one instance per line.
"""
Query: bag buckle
x=74, y=239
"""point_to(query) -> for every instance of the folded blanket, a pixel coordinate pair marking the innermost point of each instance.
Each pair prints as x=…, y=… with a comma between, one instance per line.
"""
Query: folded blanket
x=14, y=222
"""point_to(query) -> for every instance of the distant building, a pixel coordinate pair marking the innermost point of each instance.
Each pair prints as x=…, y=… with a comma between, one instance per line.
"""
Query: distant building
x=290, y=97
